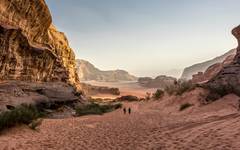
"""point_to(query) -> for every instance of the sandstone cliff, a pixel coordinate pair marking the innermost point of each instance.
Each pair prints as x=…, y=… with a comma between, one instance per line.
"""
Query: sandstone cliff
x=36, y=63
x=202, y=67
x=31, y=49
x=159, y=82
x=87, y=71
x=228, y=79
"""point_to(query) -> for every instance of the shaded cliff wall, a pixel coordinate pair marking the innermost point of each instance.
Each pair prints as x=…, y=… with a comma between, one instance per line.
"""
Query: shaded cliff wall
x=228, y=79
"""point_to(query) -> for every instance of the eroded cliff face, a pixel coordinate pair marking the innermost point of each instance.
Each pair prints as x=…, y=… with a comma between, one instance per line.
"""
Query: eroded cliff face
x=31, y=49
x=228, y=79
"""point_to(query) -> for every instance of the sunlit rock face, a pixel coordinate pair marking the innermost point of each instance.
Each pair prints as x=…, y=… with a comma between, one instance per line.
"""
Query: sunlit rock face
x=31, y=49
x=228, y=79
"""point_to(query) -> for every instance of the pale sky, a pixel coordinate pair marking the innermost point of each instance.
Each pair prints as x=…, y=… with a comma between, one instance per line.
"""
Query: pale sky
x=147, y=37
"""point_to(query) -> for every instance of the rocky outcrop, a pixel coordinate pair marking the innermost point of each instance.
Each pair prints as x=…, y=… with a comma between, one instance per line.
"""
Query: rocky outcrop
x=44, y=94
x=37, y=65
x=159, y=82
x=228, y=79
x=87, y=71
x=94, y=90
x=212, y=71
x=202, y=67
x=31, y=49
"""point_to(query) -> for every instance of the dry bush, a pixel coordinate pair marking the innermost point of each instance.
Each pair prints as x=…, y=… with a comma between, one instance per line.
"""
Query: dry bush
x=185, y=106
x=158, y=94
x=180, y=87
x=97, y=109
x=23, y=114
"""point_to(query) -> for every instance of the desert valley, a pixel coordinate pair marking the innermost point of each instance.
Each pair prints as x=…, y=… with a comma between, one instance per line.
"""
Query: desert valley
x=51, y=98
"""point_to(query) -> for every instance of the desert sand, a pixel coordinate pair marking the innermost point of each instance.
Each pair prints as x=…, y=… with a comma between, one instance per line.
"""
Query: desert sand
x=152, y=125
x=126, y=88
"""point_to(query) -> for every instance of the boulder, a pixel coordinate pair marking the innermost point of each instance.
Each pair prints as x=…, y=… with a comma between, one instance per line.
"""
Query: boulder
x=228, y=79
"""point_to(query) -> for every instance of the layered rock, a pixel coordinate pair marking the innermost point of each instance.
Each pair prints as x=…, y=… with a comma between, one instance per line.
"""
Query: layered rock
x=36, y=63
x=31, y=49
x=228, y=79
x=159, y=82
x=44, y=94
x=87, y=71
x=202, y=67
x=212, y=71
x=94, y=90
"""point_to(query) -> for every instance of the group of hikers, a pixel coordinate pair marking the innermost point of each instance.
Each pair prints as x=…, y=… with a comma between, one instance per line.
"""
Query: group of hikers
x=125, y=110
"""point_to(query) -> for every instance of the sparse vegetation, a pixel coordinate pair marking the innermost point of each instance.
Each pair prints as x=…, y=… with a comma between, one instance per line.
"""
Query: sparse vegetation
x=148, y=96
x=180, y=87
x=35, y=123
x=170, y=89
x=23, y=114
x=129, y=98
x=218, y=90
x=97, y=109
x=158, y=94
x=185, y=106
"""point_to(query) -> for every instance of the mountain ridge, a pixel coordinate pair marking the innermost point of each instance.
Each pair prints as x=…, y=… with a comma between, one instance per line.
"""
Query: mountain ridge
x=87, y=71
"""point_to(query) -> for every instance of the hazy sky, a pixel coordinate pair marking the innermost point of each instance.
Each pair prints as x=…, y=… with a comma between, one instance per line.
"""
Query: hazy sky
x=147, y=37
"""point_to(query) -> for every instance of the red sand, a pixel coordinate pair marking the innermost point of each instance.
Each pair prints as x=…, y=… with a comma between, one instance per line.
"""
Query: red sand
x=152, y=125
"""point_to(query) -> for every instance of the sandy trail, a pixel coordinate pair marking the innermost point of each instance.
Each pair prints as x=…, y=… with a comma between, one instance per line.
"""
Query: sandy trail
x=146, y=128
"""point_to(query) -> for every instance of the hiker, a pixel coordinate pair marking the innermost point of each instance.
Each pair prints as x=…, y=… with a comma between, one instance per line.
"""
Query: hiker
x=124, y=111
x=129, y=110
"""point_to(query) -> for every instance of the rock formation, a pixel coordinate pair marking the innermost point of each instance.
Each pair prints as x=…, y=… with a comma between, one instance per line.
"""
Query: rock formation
x=211, y=71
x=87, y=71
x=159, y=82
x=31, y=49
x=202, y=67
x=36, y=62
x=228, y=79
x=44, y=94
x=94, y=90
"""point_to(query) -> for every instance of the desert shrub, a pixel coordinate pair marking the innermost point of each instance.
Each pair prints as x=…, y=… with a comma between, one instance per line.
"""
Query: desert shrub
x=158, y=94
x=23, y=114
x=129, y=98
x=179, y=88
x=217, y=91
x=171, y=89
x=148, y=96
x=35, y=123
x=184, y=106
x=212, y=96
x=96, y=109
x=184, y=87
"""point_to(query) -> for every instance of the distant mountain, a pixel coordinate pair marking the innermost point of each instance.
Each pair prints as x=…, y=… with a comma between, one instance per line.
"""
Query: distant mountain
x=87, y=71
x=202, y=67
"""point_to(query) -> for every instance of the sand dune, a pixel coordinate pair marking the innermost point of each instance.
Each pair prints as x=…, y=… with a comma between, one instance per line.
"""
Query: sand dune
x=152, y=125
